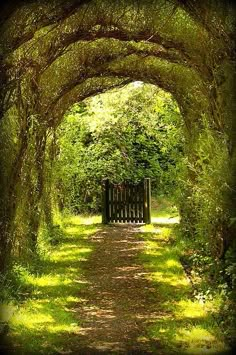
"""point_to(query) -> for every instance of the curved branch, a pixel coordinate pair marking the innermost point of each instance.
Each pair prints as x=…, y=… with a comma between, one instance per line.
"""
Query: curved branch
x=90, y=87
x=26, y=33
x=186, y=87
x=82, y=26
x=95, y=65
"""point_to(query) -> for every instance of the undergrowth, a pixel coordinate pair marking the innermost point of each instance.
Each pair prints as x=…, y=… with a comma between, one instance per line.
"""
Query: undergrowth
x=39, y=298
x=195, y=291
x=211, y=279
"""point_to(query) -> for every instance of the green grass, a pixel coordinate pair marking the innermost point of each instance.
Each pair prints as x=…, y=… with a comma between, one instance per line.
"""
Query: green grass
x=164, y=211
x=46, y=321
x=187, y=325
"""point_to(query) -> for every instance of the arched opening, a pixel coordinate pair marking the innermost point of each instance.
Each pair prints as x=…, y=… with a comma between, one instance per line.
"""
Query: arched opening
x=121, y=136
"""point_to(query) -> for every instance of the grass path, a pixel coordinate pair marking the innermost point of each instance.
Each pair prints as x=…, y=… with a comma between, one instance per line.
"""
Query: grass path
x=114, y=289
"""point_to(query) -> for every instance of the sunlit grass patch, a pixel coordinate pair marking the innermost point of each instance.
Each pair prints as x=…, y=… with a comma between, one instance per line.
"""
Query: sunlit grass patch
x=46, y=322
x=165, y=220
x=83, y=220
x=84, y=230
x=38, y=326
x=48, y=280
x=150, y=228
x=164, y=212
x=157, y=232
x=186, y=324
x=67, y=254
x=165, y=268
x=189, y=309
x=200, y=340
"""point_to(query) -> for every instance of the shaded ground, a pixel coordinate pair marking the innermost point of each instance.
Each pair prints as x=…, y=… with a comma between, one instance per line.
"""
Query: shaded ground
x=117, y=289
x=119, y=302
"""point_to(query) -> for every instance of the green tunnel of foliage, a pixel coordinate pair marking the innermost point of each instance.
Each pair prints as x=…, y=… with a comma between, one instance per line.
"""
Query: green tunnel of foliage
x=55, y=54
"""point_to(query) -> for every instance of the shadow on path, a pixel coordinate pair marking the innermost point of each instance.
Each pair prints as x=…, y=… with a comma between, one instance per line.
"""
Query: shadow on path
x=119, y=302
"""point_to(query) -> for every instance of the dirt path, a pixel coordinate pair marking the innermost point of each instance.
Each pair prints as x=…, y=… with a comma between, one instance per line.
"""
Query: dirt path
x=119, y=302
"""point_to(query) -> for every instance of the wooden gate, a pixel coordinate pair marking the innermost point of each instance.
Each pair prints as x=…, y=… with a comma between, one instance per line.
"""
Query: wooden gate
x=126, y=203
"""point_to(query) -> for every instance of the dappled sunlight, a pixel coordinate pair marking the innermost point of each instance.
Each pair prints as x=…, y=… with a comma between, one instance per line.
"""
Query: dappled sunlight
x=50, y=312
x=156, y=232
x=165, y=220
x=114, y=293
x=190, y=309
x=187, y=323
x=199, y=340
x=70, y=328
x=48, y=280
x=164, y=212
x=39, y=325
x=70, y=255
x=169, y=279
x=72, y=230
x=45, y=315
x=70, y=258
x=147, y=228
x=80, y=220
x=173, y=263
x=152, y=247
x=32, y=320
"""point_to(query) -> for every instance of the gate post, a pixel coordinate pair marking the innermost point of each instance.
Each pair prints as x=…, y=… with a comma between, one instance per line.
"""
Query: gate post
x=105, y=201
x=147, y=201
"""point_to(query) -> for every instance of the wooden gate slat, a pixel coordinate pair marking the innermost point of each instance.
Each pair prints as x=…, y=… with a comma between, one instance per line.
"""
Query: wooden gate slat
x=123, y=203
x=135, y=204
x=138, y=198
x=131, y=205
x=115, y=205
x=119, y=204
x=127, y=202
x=140, y=203
x=109, y=202
x=111, y=213
x=133, y=197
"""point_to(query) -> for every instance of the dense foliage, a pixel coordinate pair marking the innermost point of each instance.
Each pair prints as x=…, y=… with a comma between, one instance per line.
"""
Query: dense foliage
x=124, y=135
